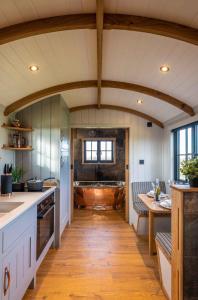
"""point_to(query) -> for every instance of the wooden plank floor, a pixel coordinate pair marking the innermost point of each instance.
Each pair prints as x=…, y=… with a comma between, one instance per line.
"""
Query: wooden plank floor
x=100, y=258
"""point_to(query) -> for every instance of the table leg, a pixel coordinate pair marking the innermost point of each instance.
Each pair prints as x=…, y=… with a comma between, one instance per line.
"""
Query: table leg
x=151, y=233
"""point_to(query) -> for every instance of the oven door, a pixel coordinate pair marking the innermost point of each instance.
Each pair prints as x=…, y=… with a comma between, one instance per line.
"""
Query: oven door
x=45, y=229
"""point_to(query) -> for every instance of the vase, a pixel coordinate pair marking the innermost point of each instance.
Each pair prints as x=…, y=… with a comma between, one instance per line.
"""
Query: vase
x=193, y=182
x=156, y=197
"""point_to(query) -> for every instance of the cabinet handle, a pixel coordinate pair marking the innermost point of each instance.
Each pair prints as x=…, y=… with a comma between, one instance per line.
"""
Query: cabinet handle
x=30, y=262
x=6, y=281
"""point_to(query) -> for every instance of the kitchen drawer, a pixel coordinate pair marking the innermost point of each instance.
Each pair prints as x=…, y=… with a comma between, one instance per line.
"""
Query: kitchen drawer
x=15, y=229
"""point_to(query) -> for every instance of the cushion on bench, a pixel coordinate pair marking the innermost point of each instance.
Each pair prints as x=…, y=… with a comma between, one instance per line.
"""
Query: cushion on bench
x=140, y=208
x=143, y=187
x=164, y=239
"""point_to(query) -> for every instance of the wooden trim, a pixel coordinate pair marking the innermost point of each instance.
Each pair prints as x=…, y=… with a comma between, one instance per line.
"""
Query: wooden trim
x=93, y=83
x=119, y=108
x=152, y=248
x=151, y=25
x=88, y=21
x=99, y=26
x=127, y=175
x=150, y=92
x=73, y=132
x=47, y=25
x=47, y=92
x=5, y=147
x=16, y=128
x=177, y=244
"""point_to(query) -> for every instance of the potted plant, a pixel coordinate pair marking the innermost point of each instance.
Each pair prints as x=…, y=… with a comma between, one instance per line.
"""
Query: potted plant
x=17, y=185
x=189, y=168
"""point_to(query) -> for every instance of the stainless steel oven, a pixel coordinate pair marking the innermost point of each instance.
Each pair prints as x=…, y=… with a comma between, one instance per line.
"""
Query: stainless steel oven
x=45, y=222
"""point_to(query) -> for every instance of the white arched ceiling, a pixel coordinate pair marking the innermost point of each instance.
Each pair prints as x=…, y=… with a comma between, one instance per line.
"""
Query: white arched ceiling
x=79, y=97
x=17, y=11
x=137, y=58
x=127, y=56
x=62, y=56
x=179, y=11
x=150, y=106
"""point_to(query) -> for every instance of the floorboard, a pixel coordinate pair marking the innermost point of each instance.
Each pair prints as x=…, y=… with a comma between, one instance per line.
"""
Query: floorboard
x=100, y=258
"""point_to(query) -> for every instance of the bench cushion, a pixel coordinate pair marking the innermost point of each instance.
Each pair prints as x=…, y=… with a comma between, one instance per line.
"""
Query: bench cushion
x=143, y=187
x=140, y=208
x=164, y=239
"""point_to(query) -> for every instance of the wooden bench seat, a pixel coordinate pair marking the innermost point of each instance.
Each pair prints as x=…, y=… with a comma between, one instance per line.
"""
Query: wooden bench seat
x=164, y=252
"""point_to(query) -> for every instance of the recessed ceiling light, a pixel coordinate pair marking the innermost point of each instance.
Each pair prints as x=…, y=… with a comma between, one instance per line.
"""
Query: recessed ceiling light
x=139, y=101
x=164, y=69
x=34, y=68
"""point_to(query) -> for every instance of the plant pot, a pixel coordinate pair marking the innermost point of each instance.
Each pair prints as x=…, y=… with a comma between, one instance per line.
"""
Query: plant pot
x=18, y=186
x=193, y=182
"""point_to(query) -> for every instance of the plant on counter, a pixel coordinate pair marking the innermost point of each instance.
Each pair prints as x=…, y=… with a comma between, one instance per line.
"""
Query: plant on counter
x=17, y=185
x=17, y=174
x=189, y=168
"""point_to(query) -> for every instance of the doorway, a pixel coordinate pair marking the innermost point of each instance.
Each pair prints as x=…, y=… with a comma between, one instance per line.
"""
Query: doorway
x=100, y=169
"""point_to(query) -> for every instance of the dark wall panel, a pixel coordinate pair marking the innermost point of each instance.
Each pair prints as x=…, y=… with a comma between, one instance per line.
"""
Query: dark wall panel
x=99, y=172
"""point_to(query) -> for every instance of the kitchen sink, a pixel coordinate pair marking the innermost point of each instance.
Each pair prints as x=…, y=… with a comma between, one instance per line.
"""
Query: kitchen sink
x=6, y=207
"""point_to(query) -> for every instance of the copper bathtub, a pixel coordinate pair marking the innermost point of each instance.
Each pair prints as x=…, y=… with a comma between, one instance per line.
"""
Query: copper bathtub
x=99, y=196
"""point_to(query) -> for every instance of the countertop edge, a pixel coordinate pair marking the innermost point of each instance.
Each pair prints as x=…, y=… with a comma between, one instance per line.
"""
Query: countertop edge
x=184, y=188
x=13, y=215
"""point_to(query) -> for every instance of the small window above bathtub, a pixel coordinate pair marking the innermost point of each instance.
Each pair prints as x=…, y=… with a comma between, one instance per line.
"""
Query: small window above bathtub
x=98, y=151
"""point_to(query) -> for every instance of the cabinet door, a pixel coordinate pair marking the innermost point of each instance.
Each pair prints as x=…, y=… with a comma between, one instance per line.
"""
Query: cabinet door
x=29, y=254
x=26, y=258
x=9, y=279
x=18, y=266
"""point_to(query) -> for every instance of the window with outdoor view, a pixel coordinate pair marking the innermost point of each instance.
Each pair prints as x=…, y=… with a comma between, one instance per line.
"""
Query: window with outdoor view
x=99, y=151
x=185, y=147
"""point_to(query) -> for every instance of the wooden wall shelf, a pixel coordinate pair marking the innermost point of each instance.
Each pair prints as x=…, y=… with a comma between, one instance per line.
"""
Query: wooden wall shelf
x=29, y=148
x=16, y=128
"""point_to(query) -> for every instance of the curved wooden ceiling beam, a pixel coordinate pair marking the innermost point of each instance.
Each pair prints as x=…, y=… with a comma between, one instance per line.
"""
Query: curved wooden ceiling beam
x=47, y=25
x=93, y=83
x=150, y=92
x=151, y=25
x=88, y=21
x=119, y=108
x=47, y=92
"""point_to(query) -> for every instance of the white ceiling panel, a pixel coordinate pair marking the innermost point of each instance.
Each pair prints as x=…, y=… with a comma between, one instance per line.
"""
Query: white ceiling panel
x=179, y=11
x=62, y=57
x=17, y=11
x=136, y=57
x=79, y=97
x=151, y=106
x=127, y=56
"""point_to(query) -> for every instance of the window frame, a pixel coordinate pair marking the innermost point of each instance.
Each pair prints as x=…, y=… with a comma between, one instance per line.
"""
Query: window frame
x=99, y=161
x=176, y=143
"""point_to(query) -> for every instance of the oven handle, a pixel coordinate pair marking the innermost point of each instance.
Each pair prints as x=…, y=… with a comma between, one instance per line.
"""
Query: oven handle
x=46, y=213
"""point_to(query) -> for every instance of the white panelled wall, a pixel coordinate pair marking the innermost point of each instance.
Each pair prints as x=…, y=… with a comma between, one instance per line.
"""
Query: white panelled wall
x=6, y=157
x=145, y=143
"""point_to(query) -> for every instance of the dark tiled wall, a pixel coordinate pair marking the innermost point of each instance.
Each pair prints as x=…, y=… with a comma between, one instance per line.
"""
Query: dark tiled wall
x=94, y=172
x=190, y=246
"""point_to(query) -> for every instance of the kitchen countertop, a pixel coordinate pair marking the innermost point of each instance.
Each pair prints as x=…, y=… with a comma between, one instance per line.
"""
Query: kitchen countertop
x=29, y=199
x=184, y=188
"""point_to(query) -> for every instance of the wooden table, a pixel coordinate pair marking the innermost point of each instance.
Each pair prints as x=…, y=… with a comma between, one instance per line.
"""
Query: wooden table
x=154, y=209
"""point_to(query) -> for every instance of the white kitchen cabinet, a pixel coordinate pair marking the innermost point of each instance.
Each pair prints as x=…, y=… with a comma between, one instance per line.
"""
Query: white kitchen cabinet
x=18, y=255
x=18, y=266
